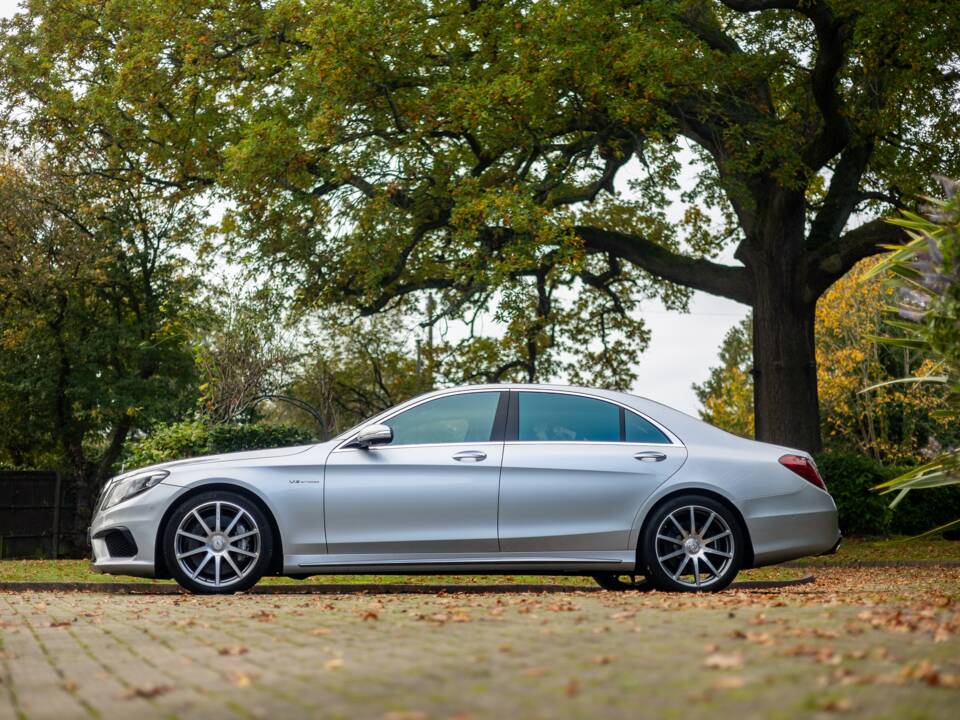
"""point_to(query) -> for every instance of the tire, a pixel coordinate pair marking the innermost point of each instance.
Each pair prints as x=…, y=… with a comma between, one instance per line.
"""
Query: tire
x=208, y=558
x=614, y=582
x=707, y=559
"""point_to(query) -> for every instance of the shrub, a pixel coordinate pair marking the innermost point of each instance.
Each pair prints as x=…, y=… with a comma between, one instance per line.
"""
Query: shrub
x=851, y=477
x=194, y=437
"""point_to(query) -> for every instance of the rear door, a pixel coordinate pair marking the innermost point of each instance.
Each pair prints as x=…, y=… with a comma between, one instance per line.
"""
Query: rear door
x=576, y=470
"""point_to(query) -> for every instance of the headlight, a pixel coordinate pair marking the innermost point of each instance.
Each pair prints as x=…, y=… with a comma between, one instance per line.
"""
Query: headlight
x=130, y=486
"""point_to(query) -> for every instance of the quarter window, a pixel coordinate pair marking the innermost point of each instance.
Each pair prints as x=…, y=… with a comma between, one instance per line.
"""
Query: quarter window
x=638, y=430
x=462, y=418
x=566, y=418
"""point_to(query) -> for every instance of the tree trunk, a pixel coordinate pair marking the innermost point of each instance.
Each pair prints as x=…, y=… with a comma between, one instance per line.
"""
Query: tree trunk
x=785, y=402
x=786, y=407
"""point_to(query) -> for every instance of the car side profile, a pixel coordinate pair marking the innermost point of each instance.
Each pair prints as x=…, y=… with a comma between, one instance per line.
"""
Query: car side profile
x=480, y=479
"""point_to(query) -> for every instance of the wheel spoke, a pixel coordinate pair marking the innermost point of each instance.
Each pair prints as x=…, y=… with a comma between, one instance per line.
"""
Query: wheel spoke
x=683, y=532
x=202, y=564
x=709, y=564
x=717, y=537
x=231, y=548
x=202, y=523
x=670, y=539
x=241, y=536
x=236, y=519
x=672, y=555
x=216, y=570
x=217, y=518
x=198, y=538
x=682, y=566
x=232, y=564
x=718, y=552
x=696, y=570
x=693, y=522
x=706, y=525
x=181, y=556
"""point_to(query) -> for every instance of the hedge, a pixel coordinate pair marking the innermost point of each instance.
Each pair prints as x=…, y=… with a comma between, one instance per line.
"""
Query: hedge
x=195, y=437
x=850, y=478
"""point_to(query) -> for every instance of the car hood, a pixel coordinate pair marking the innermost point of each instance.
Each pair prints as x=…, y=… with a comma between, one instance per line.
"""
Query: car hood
x=234, y=457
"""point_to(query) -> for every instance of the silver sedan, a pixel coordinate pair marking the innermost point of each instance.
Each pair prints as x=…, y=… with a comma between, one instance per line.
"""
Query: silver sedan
x=481, y=479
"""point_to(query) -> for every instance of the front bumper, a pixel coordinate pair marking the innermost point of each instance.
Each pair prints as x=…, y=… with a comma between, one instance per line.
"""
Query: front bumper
x=139, y=517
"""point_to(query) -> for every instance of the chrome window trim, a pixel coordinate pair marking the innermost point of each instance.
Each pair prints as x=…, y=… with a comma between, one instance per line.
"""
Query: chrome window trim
x=674, y=440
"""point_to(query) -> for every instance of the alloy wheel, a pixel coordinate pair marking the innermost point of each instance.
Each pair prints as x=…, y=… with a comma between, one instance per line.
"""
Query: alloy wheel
x=217, y=544
x=694, y=546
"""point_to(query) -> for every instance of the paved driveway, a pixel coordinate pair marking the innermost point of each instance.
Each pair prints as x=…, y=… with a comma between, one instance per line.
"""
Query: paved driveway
x=858, y=643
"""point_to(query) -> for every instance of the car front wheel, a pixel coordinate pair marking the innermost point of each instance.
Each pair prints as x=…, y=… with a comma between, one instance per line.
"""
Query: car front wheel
x=693, y=543
x=218, y=542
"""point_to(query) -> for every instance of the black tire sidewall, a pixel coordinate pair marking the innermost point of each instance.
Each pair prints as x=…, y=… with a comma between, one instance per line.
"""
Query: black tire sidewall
x=185, y=506
x=660, y=578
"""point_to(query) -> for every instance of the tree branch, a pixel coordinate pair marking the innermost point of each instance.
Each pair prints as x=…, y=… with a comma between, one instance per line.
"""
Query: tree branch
x=696, y=273
x=829, y=263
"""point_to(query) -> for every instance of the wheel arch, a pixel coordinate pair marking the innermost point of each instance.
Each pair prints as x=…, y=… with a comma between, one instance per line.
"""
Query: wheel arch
x=161, y=569
x=707, y=492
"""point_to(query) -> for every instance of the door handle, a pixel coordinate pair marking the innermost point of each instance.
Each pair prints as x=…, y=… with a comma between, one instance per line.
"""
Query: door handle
x=469, y=456
x=650, y=456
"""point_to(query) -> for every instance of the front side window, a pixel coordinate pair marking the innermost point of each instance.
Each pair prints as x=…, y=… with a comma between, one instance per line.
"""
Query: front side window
x=566, y=418
x=453, y=419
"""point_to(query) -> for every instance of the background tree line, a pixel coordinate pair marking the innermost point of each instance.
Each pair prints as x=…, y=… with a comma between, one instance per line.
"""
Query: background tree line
x=378, y=172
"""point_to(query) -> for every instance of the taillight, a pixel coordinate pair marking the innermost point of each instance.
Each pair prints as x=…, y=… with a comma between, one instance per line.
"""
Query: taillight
x=805, y=468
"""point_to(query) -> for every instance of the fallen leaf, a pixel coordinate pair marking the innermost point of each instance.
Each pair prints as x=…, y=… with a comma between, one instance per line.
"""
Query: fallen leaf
x=146, y=692
x=233, y=650
x=721, y=661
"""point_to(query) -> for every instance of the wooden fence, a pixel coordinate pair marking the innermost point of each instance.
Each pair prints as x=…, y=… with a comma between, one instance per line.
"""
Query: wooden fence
x=33, y=515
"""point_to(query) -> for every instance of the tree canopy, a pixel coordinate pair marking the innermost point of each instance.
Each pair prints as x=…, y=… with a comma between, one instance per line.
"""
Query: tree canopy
x=497, y=153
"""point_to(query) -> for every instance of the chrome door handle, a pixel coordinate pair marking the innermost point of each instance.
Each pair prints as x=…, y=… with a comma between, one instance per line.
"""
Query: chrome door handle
x=469, y=456
x=650, y=456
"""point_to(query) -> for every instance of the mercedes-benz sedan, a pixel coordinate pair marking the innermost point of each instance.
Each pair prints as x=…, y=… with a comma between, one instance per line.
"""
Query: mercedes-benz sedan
x=481, y=479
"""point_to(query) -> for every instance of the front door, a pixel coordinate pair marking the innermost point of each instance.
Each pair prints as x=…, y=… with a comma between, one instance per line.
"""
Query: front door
x=576, y=471
x=432, y=490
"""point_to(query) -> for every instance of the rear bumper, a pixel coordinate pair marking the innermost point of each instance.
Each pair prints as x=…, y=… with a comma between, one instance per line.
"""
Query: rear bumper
x=835, y=548
x=793, y=526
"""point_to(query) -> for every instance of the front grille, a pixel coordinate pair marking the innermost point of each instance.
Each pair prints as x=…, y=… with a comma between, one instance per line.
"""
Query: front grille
x=120, y=543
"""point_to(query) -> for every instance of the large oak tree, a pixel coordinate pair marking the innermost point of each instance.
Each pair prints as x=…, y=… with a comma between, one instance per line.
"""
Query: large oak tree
x=495, y=150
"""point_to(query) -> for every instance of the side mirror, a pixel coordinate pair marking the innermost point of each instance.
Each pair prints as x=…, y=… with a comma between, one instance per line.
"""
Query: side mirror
x=374, y=435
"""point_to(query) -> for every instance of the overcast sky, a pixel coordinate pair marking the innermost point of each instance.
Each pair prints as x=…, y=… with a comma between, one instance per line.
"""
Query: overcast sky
x=682, y=347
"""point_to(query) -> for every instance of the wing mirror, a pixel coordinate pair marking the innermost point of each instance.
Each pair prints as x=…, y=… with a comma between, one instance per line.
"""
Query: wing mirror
x=374, y=435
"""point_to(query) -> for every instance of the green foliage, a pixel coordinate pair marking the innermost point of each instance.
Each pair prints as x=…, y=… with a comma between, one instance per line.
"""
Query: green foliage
x=193, y=438
x=515, y=159
x=851, y=477
x=926, y=275
x=94, y=304
x=242, y=353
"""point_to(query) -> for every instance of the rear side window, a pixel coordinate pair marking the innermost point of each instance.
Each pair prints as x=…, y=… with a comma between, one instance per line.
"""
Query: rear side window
x=566, y=418
x=638, y=430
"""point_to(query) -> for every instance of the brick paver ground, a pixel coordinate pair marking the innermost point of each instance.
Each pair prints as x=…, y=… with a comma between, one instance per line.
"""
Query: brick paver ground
x=858, y=643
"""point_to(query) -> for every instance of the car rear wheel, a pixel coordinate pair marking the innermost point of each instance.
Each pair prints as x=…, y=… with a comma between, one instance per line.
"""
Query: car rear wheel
x=218, y=542
x=693, y=543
